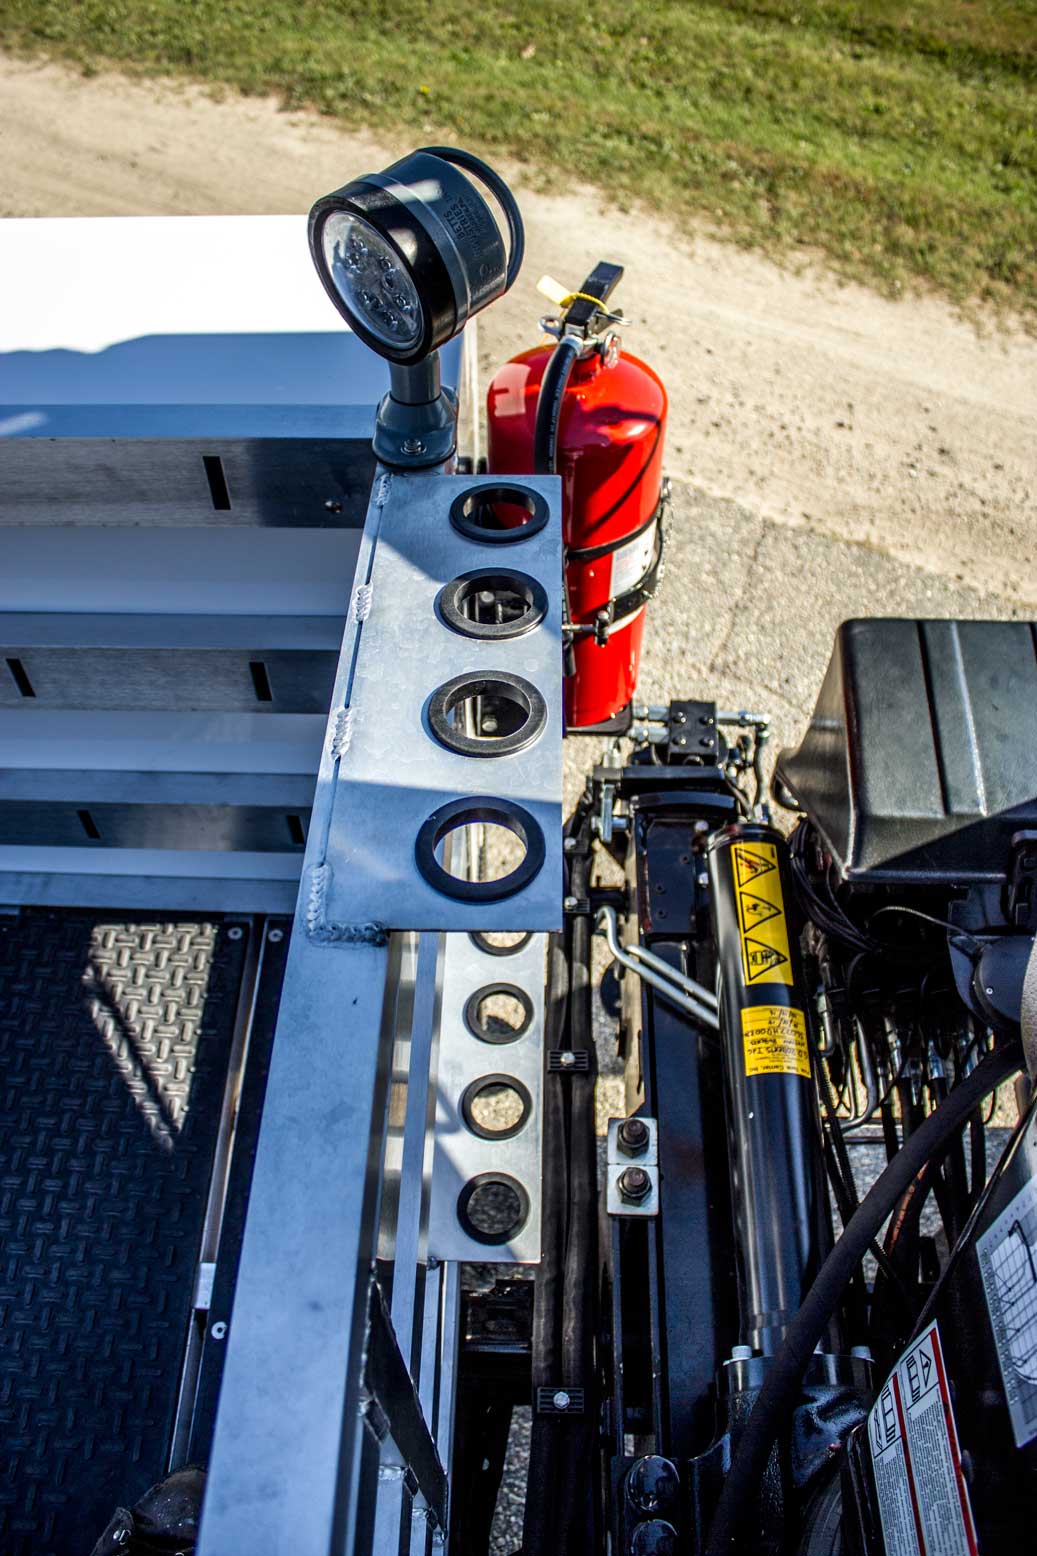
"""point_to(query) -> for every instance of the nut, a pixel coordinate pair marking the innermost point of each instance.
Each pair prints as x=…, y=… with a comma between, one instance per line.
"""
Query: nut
x=632, y=1137
x=634, y=1184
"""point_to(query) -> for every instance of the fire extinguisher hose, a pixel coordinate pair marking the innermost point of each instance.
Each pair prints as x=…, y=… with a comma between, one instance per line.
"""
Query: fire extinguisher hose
x=549, y=405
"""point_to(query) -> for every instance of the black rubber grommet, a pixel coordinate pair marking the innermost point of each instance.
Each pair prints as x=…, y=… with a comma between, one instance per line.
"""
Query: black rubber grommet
x=489, y=1180
x=492, y=683
x=479, y=940
x=453, y=596
x=467, y=503
x=475, y=1026
x=476, y=1088
x=479, y=807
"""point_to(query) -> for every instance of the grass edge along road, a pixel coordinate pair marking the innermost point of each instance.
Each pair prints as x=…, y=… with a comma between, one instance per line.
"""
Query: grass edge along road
x=899, y=139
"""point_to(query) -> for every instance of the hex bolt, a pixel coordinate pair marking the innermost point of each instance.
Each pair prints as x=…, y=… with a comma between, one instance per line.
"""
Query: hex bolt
x=632, y=1136
x=413, y=446
x=706, y=743
x=569, y=904
x=741, y=1353
x=634, y=1185
x=682, y=740
x=561, y=1400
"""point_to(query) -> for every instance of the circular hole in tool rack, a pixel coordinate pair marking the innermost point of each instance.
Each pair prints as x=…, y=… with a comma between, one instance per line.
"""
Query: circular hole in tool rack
x=498, y=514
x=492, y=812
x=498, y=1013
x=505, y=712
x=500, y=942
x=496, y=1107
x=492, y=603
x=493, y=1207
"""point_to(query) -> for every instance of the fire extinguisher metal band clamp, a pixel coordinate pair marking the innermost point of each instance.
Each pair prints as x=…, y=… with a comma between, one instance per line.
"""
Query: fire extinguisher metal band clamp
x=597, y=415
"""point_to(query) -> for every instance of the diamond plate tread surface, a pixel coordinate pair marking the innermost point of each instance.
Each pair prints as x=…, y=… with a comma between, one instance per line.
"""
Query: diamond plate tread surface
x=114, y=1040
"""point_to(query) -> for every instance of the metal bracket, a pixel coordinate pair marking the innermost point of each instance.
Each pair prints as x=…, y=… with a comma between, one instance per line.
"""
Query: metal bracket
x=620, y=1162
x=390, y=1403
x=394, y=778
x=465, y=1156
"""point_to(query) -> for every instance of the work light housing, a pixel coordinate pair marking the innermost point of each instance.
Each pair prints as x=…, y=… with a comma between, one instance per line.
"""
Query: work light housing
x=410, y=254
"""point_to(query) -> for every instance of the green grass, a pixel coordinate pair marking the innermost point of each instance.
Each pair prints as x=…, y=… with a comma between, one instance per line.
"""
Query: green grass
x=898, y=138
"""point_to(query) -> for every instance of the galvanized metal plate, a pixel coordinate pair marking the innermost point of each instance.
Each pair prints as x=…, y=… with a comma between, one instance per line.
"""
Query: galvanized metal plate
x=618, y=1160
x=461, y=1156
x=394, y=774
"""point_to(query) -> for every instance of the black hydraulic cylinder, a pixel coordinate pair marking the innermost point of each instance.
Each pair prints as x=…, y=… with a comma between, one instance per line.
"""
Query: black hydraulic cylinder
x=782, y=1222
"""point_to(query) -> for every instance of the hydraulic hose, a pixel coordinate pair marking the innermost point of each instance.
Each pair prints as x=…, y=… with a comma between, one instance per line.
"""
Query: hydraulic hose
x=549, y=405
x=738, y=1500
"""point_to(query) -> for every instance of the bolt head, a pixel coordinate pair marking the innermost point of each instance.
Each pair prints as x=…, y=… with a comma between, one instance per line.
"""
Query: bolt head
x=235, y=932
x=634, y=1184
x=569, y=904
x=275, y=936
x=700, y=827
x=702, y=879
x=561, y=1400
x=413, y=446
x=567, y=1058
x=569, y=845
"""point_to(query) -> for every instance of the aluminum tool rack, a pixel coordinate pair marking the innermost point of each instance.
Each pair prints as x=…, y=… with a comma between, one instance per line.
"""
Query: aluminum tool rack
x=244, y=965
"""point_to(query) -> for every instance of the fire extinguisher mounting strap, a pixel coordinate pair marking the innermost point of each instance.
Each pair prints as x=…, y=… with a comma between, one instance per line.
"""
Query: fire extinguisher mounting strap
x=622, y=606
x=592, y=553
x=626, y=604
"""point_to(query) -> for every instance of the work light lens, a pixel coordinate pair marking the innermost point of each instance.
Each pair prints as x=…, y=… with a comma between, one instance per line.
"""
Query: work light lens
x=372, y=280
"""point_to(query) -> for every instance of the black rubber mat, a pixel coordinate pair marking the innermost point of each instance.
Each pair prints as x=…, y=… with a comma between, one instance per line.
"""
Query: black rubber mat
x=114, y=1040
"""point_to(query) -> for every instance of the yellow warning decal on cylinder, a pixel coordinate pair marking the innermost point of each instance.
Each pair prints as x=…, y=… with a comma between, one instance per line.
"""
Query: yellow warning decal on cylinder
x=761, y=914
x=774, y=1038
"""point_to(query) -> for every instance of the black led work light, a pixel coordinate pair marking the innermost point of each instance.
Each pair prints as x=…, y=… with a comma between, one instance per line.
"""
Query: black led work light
x=408, y=256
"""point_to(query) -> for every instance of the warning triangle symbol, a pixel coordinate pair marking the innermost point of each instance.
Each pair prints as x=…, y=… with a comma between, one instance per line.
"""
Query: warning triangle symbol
x=761, y=959
x=751, y=865
x=755, y=910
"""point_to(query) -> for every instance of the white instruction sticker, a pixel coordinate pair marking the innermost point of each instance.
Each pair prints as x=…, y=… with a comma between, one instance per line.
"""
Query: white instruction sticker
x=923, y=1500
x=1007, y=1254
x=630, y=562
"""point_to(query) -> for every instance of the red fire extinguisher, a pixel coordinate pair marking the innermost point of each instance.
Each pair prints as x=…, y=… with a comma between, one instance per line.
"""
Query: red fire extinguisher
x=597, y=416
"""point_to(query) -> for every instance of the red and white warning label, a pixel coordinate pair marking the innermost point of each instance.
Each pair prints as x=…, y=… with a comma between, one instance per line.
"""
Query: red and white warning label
x=922, y=1494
